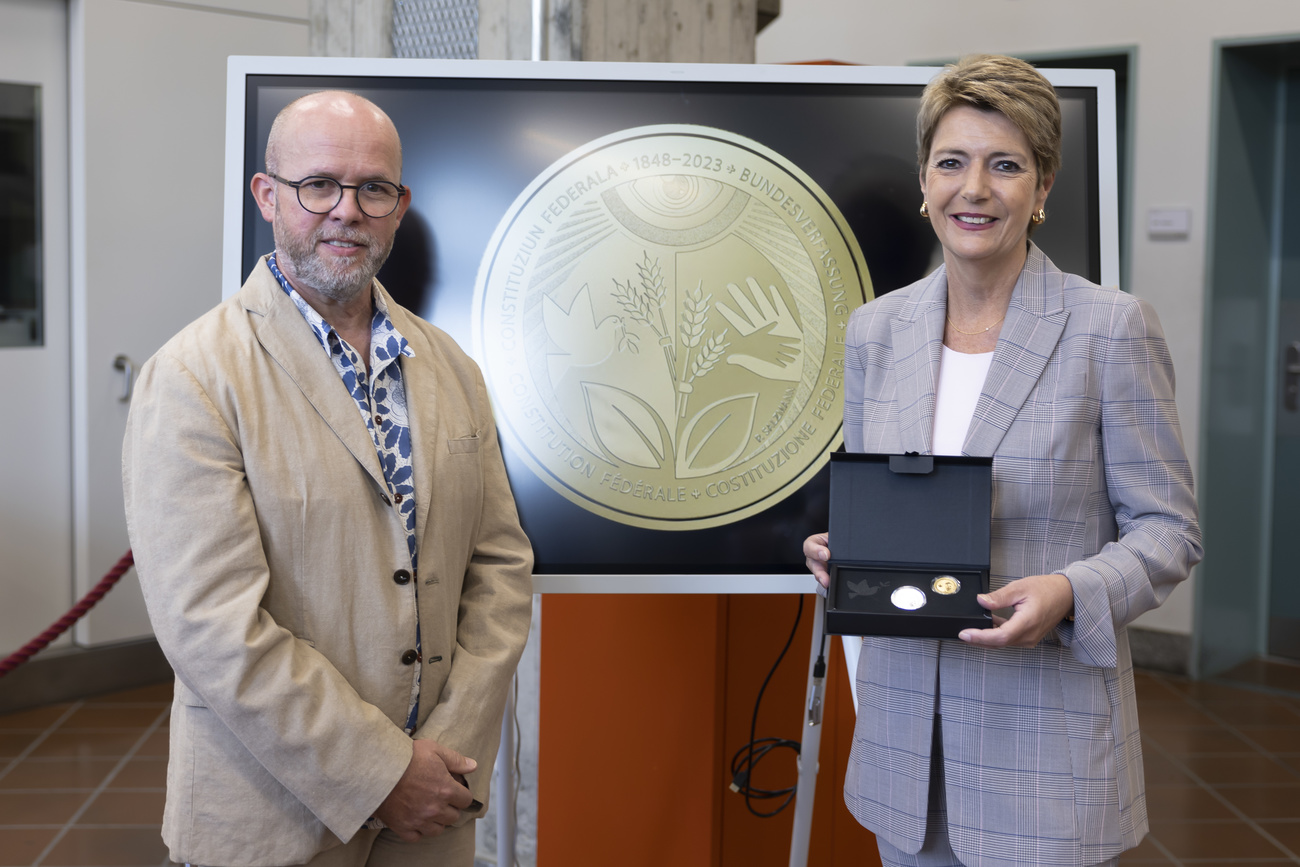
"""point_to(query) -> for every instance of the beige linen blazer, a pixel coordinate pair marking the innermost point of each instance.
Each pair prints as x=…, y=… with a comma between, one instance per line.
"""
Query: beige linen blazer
x=269, y=554
x=1041, y=751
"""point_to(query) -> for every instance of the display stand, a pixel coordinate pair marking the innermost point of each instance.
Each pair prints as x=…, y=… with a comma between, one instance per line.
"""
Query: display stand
x=703, y=584
x=811, y=745
x=505, y=784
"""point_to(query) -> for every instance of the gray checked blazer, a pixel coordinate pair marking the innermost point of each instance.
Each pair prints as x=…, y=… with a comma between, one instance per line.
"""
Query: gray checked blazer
x=1041, y=752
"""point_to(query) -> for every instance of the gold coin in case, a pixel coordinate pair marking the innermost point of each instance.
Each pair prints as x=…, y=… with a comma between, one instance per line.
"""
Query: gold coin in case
x=945, y=585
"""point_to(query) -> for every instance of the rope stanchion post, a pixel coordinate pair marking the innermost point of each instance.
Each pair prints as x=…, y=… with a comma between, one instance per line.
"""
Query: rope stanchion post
x=75, y=613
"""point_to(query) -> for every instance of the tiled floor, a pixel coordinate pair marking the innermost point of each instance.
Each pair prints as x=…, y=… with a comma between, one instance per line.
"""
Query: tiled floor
x=1222, y=768
x=81, y=784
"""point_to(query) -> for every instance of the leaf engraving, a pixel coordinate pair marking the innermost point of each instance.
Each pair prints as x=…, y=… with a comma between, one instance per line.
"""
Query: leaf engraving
x=627, y=428
x=716, y=436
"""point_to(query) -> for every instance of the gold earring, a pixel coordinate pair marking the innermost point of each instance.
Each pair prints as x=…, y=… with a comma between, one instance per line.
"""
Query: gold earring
x=925, y=210
x=1038, y=218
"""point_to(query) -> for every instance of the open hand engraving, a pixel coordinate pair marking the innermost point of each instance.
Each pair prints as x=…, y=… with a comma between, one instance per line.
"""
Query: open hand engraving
x=757, y=313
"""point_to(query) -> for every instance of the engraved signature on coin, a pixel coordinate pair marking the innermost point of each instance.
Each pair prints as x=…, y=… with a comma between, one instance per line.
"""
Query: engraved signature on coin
x=660, y=318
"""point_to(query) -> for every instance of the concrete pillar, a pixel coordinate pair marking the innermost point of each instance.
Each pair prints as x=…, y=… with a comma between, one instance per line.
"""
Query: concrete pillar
x=505, y=30
x=677, y=31
x=351, y=28
x=682, y=31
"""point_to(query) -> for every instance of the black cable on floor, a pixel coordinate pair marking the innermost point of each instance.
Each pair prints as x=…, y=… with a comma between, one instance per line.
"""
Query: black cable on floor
x=748, y=756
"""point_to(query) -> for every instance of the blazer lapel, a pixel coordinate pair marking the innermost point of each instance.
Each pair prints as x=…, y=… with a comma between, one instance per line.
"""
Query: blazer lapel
x=1035, y=320
x=287, y=338
x=421, y=408
x=918, y=348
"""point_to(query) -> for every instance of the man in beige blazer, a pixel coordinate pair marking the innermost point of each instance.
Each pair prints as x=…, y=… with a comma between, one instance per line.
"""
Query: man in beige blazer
x=326, y=539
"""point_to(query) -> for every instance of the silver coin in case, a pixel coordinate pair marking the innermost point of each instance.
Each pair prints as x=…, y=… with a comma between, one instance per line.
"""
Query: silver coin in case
x=908, y=598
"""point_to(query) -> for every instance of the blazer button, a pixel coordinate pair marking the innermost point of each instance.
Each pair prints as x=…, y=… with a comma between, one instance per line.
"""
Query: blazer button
x=409, y=657
x=402, y=576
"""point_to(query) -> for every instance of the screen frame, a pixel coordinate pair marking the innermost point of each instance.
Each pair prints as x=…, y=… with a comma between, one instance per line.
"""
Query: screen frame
x=241, y=68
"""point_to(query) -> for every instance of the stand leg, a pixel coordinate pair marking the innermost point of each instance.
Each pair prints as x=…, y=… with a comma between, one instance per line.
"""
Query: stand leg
x=810, y=747
x=505, y=789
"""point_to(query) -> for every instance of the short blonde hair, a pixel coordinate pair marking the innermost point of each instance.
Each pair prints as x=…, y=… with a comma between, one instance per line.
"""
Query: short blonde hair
x=995, y=82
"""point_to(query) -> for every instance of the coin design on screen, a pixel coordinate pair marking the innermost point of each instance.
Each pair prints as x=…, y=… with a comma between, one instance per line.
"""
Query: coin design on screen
x=945, y=585
x=907, y=597
x=660, y=317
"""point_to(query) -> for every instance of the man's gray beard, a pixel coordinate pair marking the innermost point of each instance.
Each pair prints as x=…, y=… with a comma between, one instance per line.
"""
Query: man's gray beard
x=341, y=284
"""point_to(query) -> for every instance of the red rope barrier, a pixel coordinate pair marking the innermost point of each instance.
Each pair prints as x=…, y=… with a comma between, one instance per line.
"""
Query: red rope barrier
x=74, y=614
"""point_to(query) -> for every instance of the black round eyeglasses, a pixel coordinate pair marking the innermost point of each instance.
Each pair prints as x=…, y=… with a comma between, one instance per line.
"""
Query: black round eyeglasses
x=320, y=195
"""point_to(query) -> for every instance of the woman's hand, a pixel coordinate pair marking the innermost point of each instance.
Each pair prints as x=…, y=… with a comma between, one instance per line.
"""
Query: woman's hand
x=816, y=552
x=1040, y=603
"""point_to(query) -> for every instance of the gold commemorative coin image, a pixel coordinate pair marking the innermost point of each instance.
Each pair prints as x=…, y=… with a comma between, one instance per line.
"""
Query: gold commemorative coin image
x=660, y=317
x=945, y=585
x=908, y=598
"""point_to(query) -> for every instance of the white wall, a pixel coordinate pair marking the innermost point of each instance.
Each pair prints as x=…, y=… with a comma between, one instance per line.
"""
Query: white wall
x=1172, y=80
x=148, y=118
x=144, y=106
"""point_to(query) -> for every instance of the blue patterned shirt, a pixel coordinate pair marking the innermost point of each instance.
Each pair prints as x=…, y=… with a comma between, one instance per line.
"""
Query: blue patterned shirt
x=381, y=400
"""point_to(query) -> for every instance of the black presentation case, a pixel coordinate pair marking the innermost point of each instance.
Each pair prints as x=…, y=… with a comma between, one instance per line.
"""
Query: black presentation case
x=909, y=540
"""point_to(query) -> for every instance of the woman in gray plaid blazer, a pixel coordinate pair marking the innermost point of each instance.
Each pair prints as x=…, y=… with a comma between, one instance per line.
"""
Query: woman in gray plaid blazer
x=1018, y=744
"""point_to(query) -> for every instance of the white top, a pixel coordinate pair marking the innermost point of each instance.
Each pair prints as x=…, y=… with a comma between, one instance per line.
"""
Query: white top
x=961, y=379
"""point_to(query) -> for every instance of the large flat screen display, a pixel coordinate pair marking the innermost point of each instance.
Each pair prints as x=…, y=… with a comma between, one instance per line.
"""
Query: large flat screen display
x=654, y=264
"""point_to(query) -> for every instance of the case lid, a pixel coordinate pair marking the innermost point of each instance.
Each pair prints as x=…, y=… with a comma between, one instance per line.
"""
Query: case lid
x=911, y=509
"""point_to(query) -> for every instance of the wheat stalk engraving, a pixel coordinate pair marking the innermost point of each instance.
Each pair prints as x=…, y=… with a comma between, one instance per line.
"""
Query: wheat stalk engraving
x=643, y=301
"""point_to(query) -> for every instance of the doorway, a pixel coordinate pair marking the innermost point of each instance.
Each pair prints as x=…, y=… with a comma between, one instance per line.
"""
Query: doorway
x=35, y=354
x=1284, y=556
x=1249, y=585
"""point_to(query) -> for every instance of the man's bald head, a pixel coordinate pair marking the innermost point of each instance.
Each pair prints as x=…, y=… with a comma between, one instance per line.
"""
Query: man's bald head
x=332, y=136
x=330, y=106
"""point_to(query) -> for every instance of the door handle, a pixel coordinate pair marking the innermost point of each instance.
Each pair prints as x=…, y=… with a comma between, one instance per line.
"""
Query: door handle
x=127, y=367
x=1291, y=378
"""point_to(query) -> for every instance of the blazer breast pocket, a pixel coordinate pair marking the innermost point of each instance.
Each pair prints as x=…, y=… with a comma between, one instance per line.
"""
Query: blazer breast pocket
x=464, y=445
x=1072, y=377
x=1068, y=393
